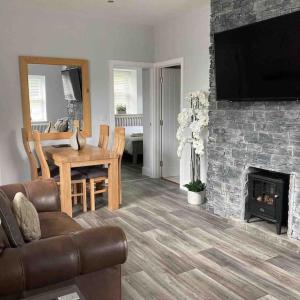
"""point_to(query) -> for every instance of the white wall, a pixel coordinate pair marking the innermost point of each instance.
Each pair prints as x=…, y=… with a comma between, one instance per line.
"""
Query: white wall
x=29, y=29
x=187, y=36
x=55, y=99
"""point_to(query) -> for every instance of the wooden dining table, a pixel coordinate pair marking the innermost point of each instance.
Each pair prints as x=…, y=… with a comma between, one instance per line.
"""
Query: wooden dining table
x=66, y=158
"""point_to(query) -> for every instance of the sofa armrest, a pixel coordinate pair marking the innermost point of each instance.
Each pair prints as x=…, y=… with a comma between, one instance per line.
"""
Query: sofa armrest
x=44, y=194
x=54, y=260
x=100, y=248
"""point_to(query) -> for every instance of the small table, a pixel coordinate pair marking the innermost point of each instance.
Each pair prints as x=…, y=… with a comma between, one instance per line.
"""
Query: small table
x=66, y=158
x=51, y=295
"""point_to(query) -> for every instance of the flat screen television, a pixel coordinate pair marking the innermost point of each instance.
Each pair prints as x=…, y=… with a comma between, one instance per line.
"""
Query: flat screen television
x=259, y=62
x=72, y=84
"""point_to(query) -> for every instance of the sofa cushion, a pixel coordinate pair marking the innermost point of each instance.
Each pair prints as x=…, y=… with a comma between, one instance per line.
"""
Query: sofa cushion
x=27, y=218
x=57, y=223
x=4, y=243
x=9, y=223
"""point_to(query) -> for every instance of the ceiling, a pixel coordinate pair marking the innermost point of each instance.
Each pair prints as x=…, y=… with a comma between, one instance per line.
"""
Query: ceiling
x=148, y=12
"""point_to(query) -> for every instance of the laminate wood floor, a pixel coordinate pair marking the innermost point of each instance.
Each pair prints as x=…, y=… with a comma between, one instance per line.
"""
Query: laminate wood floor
x=177, y=251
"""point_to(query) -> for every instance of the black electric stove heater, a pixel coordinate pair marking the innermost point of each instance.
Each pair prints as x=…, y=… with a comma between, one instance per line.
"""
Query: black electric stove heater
x=268, y=197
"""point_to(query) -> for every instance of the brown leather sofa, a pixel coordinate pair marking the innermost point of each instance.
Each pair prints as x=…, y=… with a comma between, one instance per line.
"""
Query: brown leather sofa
x=66, y=254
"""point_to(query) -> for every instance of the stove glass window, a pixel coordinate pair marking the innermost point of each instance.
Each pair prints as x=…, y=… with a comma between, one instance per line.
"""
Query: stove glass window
x=265, y=192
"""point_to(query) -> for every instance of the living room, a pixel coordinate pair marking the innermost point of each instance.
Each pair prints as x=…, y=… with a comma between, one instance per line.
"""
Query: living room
x=194, y=201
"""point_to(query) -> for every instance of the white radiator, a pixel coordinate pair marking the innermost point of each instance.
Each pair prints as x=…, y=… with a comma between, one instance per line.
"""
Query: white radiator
x=39, y=126
x=128, y=120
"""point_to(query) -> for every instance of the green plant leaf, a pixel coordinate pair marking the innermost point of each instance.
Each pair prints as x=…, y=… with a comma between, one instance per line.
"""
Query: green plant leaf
x=196, y=186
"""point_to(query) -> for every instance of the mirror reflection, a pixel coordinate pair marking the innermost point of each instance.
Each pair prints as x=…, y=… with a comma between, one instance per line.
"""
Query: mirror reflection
x=55, y=96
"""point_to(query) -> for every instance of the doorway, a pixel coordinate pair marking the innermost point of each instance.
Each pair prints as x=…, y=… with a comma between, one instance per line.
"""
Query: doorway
x=170, y=106
x=131, y=100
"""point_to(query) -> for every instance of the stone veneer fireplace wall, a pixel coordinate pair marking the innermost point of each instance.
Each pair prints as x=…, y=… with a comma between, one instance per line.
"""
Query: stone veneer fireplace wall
x=245, y=135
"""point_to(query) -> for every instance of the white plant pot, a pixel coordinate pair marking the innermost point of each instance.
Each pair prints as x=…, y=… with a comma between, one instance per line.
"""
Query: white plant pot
x=196, y=198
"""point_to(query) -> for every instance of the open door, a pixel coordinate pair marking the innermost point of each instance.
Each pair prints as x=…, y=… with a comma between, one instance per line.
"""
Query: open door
x=170, y=108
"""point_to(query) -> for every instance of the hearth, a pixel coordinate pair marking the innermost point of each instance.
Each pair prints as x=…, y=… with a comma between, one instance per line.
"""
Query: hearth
x=268, y=197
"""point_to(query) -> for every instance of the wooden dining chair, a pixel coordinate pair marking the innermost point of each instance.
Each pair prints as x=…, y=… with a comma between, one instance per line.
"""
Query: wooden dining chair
x=98, y=176
x=77, y=178
x=34, y=169
x=103, y=136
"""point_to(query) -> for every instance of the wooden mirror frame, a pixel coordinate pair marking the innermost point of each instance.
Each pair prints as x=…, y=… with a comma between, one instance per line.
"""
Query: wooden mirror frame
x=24, y=61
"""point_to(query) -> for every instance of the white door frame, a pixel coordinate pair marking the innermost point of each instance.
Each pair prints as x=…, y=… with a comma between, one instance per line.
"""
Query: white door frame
x=132, y=64
x=156, y=106
x=154, y=98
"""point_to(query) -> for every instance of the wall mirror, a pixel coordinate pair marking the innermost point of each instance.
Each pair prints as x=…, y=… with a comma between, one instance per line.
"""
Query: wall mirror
x=55, y=92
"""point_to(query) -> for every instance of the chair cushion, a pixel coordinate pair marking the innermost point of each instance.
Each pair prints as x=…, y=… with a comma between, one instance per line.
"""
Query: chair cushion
x=54, y=170
x=9, y=222
x=75, y=175
x=57, y=223
x=27, y=218
x=95, y=172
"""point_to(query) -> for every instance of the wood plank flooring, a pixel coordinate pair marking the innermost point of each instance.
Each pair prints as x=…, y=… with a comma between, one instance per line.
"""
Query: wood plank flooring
x=177, y=251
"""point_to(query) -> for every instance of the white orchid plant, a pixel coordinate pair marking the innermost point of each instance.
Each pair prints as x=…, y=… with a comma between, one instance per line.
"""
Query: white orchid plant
x=192, y=121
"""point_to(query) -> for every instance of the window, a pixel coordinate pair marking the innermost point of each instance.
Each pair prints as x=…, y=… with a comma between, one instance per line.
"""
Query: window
x=37, y=98
x=125, y=90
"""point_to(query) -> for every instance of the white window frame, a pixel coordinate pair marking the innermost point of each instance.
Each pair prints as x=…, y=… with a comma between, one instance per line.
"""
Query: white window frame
x=134, y=89
x=43, y=100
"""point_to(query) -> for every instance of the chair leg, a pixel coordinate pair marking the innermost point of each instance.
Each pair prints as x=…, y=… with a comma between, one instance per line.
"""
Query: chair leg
x=120, y=192
x=92, y=194
x=80, y=191
x=84, y=205
x=100, y=186
x=75, y=201
x=120, y=180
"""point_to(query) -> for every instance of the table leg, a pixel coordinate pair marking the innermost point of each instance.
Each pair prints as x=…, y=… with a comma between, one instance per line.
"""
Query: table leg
x=65, y=188
x=113, y=185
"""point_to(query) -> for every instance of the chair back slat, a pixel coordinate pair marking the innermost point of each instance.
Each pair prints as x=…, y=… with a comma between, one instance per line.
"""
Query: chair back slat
x=32, y=160
x=41, y=156
x=104, y=136
x=119, y=141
